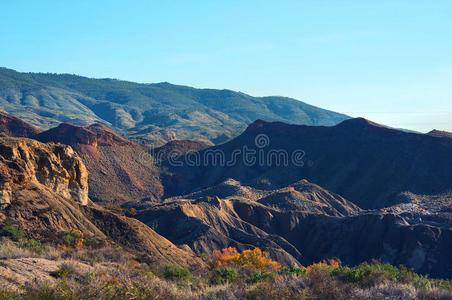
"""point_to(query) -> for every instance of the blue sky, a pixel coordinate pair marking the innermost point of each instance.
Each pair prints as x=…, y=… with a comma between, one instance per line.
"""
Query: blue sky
x=388, y=61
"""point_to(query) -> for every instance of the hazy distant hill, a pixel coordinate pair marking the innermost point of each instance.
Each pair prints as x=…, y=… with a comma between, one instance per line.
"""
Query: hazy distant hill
x=154, y=112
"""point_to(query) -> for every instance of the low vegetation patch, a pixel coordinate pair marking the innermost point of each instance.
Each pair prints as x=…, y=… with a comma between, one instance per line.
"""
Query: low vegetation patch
x=12, y=232
x=71, y=239
x=65, y=270
x=231, y=274
x=175, y=272
x=21, y=241
x=224, y=275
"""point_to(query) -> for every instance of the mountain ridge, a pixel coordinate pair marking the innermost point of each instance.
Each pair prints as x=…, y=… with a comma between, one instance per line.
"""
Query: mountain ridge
x=152, y=113
x=365, y=163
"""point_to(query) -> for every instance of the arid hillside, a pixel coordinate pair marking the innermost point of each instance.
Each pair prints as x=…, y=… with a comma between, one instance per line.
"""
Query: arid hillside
x=44, y=192
x=306, y=223
x=118, y=171
x=12, y=126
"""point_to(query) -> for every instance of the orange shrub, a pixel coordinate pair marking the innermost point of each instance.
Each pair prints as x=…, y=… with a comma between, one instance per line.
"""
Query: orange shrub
x=253, y=259
x=324, y=263
x=223, y=257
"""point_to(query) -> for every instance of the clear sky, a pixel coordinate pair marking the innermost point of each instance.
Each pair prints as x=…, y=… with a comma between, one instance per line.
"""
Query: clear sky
x=388, y=61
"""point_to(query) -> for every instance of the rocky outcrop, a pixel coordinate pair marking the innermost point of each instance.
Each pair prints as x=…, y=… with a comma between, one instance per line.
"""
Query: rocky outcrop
x=120, y=170
x=56, y=167
x=5, y=194
x=206, y=223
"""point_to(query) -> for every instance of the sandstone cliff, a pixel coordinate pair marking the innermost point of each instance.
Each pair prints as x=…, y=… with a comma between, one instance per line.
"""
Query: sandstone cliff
x=56, y=167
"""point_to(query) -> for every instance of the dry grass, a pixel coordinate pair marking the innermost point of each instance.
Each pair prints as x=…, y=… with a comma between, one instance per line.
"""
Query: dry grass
x=111, y=273
x=9, y=249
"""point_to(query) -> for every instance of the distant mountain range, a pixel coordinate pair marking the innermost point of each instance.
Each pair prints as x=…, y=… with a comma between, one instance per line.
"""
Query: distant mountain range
x=154, y=113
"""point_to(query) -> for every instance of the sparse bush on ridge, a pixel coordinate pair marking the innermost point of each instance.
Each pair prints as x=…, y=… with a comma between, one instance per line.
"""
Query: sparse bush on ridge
x=294, y=271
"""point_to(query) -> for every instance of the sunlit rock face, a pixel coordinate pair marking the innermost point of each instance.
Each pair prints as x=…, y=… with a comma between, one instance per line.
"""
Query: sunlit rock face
x=55, y=166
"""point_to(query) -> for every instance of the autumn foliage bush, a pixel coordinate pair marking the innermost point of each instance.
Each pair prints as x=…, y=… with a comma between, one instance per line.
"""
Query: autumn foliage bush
x=255, y=259
x=328, y=264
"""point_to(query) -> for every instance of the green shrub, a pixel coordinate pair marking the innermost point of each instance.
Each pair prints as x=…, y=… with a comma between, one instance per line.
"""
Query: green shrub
x=31, y=244
x=422, y=283
x=176, y=272
x=224, y=275
x=72, y=239
x=442, y=284
x=393, y=273
x=355, y=275
x=12, y=232
x=369, y=274
x=261, y=276
x=294, y=271
x=18, y=236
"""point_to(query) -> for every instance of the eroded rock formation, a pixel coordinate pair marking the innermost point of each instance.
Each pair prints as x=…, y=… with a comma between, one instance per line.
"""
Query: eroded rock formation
x=57, y=167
